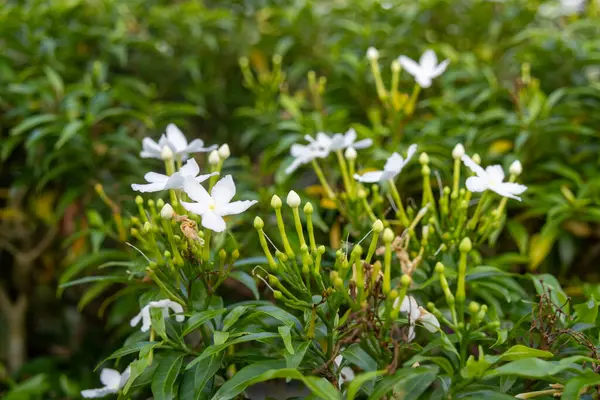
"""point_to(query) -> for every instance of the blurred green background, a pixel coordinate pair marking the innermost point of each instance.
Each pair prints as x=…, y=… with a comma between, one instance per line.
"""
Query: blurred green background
x=82, y=82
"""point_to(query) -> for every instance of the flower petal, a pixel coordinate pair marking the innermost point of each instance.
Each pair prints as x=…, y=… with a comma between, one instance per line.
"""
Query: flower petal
x=196, y=191
x=423, y=80
x=196, y=208
x=369, y=177
x=495, y=173
x=175, y=181
x=509, y=189
x=97, y=393
x=202, y=178
x=190, y=168
x=149, y=188
x=110, y=378
x=363, y=144
x=346, y=375
x=197, y=146
x=237, y=207
x=409, y=65
x=394, y=163
x=150, y=146
x=176, y=138
x=428, y=61
x=223, y=191
x=125, y=377
x=472, y=165
x=476, y=184
x=438, y=70
x=213, y=222
x=412, y=149
x=178, y=310
x=350, y=136
x=154, y=177
x=429, y=321
x=338, y=360
x=136, y=320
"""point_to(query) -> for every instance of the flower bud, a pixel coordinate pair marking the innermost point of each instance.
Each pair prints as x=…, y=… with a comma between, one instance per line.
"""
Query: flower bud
x=308, y=208
x=424, y=158
x=473, y=307
x=276, y=202
x=377, y=226
x=321, y=249
x=166, y=153
x=395, y=66
x=235, y=254
x=214, y=158
x=372, y=54
x=293, y=200
x=465, y=245
x=439, y=268
x=258, y=223
x=361, y=193
x=476, y=159
x=277, y=294
x=358, y=250
x=350, y=154
x=222, y=254
x=516, y=168
x=273, y=280
x=393, y=294
x=147, y=227
x=150, y=203
x=405, y=280
x=388, y=235
x=167, y=212
x=224, y=152
x=458, y=151
x=160, y=203
x=139, y=200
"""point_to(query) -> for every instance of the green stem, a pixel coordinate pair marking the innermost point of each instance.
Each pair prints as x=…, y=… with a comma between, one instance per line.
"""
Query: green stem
x=322, y=179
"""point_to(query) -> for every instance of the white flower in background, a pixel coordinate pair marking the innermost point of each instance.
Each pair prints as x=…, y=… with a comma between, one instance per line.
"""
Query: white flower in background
x=346, y=374
x=427, y=68
x=305, y=153
x=151, y=149
x=112, y=380
x=216, y=205
x=491, y=179
x=164, y=305
x=180, y=145
x=562, y=8
x=322, y=142
x=372, y=54
x=391, y=169
x=158, y=182
x=415, y=314
x=347, y=140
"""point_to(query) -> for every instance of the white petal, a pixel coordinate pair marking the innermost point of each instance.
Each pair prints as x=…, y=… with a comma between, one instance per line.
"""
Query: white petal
x=154, y=177
x=136, y=320
x=237, y=207
x=508, y=189
x=148, y=188
x=178, y=310
x=423, y=81
x=412, y=149
x=196, y=208
x=394, y=163
x=298, y=150
x=150, y=154
x=197, y=146
x=428, y=60
x=346, y=375
x=338, y=360
x=97, y=393
x=110, y=378
x=176, y=138
x=440, y=68
x=146, y=320
x=472, y=165
x=150, y=146
x=495, y=173
x=429, y=321
x=411, y=332
x=476, y=184
x=213, y=221
x=175, y=181
x=409, y=65
x=409, y=306
x=223, y=191
x=294, y=165
x=196, y=191
x=125, y=377
x=190, y=168
x=350, y=136
x=369, y=177
x=363, y=144
x=202, y=178
x=337, y=142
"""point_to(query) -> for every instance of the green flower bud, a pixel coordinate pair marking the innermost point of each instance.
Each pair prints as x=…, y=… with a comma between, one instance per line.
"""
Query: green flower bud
x=426, y=170
x=277, y=294
x=321, y=249
x=377, y=226
x=147, y=227
x=273, y=280
x=222, y=254
x=393, y=294
x=465, y=245
x=258, y=223
x=160, y=203
x=167, y=254
x=388, y=235
x=424, y=158
x=405, y=280
x=139, y=200
x=476, y=158
x=473, y=307
x=276, y=202
x=150, y=203
x=235, y=254
x=439, y=268
x=308, y=208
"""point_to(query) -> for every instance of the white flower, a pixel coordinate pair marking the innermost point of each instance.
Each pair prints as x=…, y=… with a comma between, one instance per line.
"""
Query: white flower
x=562, y=8
x=144, y=314
x=180, y=145
x=158, y=182
x=303, y=154
x=112, y=380
x=346, y=374
x=151, y=149
x=348, y=140
x=415, y=314
x=216, y=205
x=372, y=54
x=491, y=178
x=391, y=169
x=427, y=68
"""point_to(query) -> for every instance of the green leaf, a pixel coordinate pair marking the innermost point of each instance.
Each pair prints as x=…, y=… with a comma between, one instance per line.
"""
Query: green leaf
x=232, y=317
x=89, y=261
x=55, y=80
x=220, y=337
x=536, y=368
x=285, y=332
x=359, y=381
x=275, y=312
x=400, y=382
x=414, y=387
x=357, y=356
x=293, y=360
x=158, y=322
x=485, y=394
x=30, y=388
x=32, y=122
x=264, y=371
x=137, y=368
x=68, y=132
x=198, y=319
x=93, y=292
x=205, y=370
x=210, y=350
x=441, y=362
x=587, y=312
x=163, y=382
x=574, y=386
x=129, y=349
x=519, y=351
x=246, y=280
